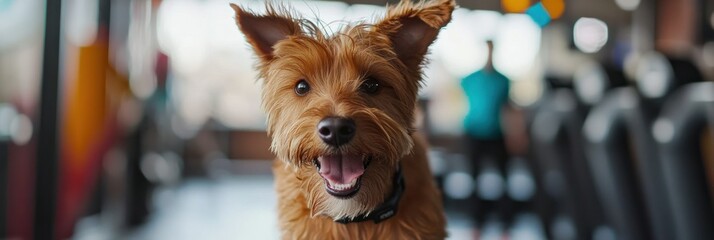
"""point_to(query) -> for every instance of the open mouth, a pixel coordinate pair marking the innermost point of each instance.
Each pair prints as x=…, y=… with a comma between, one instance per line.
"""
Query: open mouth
x=342, y=173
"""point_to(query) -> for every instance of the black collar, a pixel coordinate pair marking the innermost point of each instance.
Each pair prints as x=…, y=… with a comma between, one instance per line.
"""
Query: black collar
x=387, y=209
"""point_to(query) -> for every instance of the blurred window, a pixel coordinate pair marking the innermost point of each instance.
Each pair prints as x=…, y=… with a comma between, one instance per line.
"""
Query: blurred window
x=213, y=74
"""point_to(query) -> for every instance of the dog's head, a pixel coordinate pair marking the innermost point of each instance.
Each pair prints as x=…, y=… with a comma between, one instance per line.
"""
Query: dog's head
x=340, y=108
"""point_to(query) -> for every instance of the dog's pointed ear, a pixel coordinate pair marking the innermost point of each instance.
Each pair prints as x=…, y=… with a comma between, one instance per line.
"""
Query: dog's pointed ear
x=411, y=27
x=264, y=31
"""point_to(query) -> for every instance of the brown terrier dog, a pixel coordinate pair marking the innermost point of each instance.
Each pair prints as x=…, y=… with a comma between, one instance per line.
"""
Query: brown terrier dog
x=340, y=114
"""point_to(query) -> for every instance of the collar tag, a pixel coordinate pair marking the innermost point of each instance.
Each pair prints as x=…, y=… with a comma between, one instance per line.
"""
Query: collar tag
x=384, y=216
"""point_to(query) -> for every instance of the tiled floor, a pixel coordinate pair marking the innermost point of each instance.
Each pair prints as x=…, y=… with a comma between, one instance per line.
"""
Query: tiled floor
x=221, y=208
x=243, y=207
x=229, y=207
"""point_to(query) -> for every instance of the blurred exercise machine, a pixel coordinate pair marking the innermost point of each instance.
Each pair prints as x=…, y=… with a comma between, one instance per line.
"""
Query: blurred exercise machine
x=565, y=178
x=621, y=149
x=679, y=132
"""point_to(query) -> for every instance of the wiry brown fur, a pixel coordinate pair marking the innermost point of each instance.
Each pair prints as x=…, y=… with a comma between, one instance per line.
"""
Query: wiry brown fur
x=392, y=50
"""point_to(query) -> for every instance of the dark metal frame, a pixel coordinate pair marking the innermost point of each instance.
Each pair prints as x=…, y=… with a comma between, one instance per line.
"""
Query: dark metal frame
x=47, y=165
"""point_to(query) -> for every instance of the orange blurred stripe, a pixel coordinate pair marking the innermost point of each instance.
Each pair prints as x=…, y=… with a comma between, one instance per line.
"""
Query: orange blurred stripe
x=86, y=103
x=515, y=6
x=555, y=8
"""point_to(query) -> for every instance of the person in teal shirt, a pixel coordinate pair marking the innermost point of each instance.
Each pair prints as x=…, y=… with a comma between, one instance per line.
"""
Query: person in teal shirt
x=487, y=93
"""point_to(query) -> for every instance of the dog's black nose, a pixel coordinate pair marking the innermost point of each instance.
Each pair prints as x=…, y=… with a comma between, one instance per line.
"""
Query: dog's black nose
x=336, y=131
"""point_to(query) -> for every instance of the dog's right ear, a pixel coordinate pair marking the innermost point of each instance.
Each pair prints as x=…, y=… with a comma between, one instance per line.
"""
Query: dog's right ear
x=412, y=27
x=264, y=31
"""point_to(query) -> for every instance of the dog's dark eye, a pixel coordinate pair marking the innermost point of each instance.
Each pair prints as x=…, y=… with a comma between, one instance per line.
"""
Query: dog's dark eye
x=370, y=86
x=302, y=88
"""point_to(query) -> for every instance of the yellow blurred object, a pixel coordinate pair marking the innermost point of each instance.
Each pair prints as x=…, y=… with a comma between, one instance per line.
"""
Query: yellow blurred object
x=89, y=127
x=86, y=103
x=555, y=8
x=515, y=6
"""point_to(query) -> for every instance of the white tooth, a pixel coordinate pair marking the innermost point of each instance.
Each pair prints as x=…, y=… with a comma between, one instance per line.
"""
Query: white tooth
x=340, y=187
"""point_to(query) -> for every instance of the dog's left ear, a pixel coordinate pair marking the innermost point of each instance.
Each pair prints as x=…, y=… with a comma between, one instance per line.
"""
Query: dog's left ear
x=411, y=27
x=264, y=31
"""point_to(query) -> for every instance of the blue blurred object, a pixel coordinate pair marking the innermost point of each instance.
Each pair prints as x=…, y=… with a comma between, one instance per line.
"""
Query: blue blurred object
x=5, y=4
x=539, y=15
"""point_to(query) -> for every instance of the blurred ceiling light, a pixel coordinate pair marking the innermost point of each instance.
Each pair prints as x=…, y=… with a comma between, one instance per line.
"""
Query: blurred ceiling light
x=555, y=8
x=21, y=129
x=596, y=125
x=462, y=47
x=521, y=186
x=182, y=33
x=490, y=184
x=663, y=130
x=528, y=91
x=488, y=22
x=142, y=51
x=7, y=114
x=143, y=85
x=590, y=34
x=628, y=5
x=19, y=21
x=82, y=21
x=516, y=45
x=222, y=34
x=515, y=6
x=654, y=75
x=590, y=82
x=516, y=48
x=458, y=185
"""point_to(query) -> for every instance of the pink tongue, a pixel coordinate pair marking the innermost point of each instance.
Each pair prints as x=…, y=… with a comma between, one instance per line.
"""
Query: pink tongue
x=341, y=169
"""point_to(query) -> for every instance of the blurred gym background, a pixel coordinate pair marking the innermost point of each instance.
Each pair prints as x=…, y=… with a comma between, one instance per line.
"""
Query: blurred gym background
x=140, y=119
